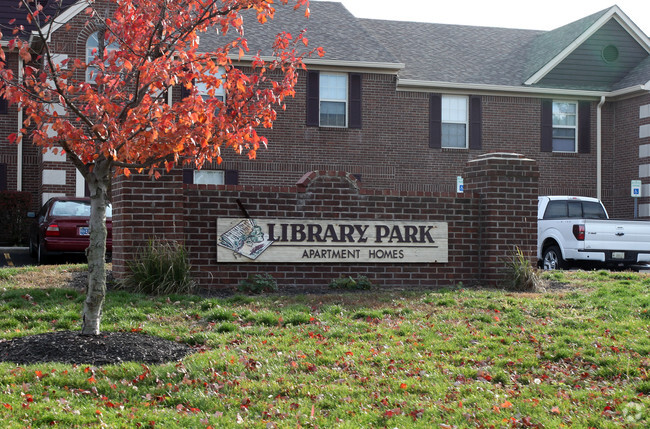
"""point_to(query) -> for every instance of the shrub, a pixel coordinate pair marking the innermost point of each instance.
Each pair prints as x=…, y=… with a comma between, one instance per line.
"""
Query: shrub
x=348, y=283
x=258, y=283
x=520, y=274
x=160, y=268
x=13, y=216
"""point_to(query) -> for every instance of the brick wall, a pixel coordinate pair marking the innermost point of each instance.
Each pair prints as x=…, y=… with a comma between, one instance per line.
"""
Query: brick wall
x=625, y=160
x=507, y=185
x=482, y=228
x=391, y=150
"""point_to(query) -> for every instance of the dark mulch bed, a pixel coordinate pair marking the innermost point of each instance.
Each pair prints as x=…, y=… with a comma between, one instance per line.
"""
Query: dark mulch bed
x=103, y=349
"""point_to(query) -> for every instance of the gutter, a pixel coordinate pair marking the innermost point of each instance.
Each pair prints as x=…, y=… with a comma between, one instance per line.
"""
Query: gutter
x=358, y=65
x=427, y=86
x=599, y=148
x=478, y=88
x=19, y=149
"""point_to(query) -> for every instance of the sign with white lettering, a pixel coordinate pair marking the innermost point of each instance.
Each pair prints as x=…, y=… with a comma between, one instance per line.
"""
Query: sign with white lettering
x=313, y=241
x=636, y=188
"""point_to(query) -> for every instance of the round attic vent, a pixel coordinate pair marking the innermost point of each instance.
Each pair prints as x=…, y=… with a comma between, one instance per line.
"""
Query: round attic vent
x=610, y=53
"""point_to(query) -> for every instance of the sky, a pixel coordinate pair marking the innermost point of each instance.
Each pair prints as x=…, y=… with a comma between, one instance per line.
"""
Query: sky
x=533, y=15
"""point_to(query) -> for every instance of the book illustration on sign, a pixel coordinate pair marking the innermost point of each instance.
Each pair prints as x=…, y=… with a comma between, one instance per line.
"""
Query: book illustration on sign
x=245, y=238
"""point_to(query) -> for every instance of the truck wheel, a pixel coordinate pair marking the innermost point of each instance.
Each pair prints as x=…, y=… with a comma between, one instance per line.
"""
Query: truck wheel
x=552, y=259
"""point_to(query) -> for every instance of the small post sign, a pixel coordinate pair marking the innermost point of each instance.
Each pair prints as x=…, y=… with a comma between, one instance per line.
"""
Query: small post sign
x=460, y=187
x=636, y=188
x=636, y=194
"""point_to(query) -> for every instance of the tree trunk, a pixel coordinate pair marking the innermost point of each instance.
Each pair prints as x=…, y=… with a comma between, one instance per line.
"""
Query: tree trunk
x=96, y=292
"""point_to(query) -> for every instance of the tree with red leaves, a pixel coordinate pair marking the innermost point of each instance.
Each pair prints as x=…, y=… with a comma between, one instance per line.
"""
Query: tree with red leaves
x=111, y=114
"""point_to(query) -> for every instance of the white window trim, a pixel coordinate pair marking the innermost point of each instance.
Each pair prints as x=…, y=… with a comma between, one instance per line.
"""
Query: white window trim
x=334, y=100
x=466, y=122
x=570, y=127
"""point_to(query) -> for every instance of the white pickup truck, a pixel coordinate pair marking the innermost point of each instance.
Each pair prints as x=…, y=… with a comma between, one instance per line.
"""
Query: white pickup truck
x=577, y=229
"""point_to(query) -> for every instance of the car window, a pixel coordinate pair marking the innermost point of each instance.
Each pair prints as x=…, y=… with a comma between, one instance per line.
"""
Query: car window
x=556, y=210
x=575, y=209
x=71, y=209
x=593, y=210
x=75, y=209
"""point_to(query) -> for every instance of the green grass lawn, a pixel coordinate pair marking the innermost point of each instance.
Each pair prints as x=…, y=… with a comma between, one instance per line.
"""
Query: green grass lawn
x=452, y=358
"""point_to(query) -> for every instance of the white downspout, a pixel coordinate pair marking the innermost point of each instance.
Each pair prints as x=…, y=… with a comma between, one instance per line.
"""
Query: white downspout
x=19, y=150
x=599, y=148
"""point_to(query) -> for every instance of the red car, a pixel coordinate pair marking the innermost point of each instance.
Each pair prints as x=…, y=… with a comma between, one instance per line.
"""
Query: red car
x=61, y=226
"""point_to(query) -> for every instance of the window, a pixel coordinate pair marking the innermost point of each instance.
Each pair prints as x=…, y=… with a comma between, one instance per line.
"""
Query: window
x=209, y=177
x=219, y=93
x=333, y=100
x=92, y=51
x=556, y=210
x=454, y=121
x=566, y=126
x=559, y=209
x=333, y=90
x=565, y=122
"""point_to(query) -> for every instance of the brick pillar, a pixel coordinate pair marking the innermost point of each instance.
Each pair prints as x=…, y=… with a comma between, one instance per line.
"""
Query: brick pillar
x=145, y=209
x=507, y=185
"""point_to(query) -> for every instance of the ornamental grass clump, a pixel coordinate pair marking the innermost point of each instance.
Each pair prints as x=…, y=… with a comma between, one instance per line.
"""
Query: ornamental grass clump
x=160, y=268
x=521, y=276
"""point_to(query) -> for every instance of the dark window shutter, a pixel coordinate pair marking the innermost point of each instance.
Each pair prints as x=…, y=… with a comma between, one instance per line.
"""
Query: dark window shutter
x=3, y=177
x=354, y=108
x=475, y=122
x=547, y=126
x=313, y=99
x=435, y=121
x=231, y=177
x=185, y=91
x=188, y=176
x=584, y=127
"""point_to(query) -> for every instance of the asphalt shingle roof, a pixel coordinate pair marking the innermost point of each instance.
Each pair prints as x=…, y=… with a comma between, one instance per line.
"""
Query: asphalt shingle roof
x=456, y=53
x=330, y=25
x=430, y=52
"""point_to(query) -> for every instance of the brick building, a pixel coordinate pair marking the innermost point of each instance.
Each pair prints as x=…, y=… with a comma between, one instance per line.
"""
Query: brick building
x=385, y=123
x=403, y=106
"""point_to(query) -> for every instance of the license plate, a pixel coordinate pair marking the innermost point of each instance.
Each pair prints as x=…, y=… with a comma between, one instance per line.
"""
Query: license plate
x=84, y=230
x=618, y=255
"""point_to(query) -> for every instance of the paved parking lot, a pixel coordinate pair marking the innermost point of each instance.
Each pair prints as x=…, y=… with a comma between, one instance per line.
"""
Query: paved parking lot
x=15, y=257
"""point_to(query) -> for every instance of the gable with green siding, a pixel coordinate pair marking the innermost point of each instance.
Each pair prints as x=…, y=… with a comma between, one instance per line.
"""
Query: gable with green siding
x=600, y=62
